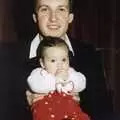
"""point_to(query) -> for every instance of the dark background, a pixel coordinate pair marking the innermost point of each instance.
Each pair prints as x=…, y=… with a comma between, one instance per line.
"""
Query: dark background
x=96, y=22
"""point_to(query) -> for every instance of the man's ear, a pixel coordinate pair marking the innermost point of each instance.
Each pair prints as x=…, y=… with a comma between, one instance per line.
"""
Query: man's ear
x=41, y=63
x=34, y=17
x=71, y=17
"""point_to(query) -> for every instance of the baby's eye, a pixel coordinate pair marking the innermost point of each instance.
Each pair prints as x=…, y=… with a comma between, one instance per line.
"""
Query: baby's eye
x=52, y=60
x=64, y=59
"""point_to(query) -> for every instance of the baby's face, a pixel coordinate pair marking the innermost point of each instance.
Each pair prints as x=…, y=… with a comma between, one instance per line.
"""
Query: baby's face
x=55, y=59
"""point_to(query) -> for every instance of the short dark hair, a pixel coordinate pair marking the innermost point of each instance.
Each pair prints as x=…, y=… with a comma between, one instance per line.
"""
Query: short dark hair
x=70, y=5
x=50, y=42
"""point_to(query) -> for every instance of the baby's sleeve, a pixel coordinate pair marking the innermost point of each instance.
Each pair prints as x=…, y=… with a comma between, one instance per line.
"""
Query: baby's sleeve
x=78, y=79
x=40, y=81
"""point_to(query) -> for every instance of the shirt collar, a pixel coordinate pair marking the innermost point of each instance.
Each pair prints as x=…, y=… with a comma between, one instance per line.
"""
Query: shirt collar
x=36, y=41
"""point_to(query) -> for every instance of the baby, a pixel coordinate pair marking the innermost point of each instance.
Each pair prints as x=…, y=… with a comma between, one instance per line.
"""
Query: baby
x=56, y=78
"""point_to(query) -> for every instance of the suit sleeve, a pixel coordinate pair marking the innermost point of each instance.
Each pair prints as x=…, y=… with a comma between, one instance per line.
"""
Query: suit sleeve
x=95, y=99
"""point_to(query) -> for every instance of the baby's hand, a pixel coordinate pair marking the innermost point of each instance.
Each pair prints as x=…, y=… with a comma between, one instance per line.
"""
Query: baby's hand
x=68, y=87
x=61, y=76
x=59, y=87
x=32, y=97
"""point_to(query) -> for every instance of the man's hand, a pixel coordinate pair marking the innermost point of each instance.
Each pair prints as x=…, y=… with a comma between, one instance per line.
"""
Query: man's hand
x=33, y=97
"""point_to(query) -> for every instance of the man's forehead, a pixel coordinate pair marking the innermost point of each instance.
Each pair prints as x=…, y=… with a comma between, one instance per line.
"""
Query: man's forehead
x=53, y=2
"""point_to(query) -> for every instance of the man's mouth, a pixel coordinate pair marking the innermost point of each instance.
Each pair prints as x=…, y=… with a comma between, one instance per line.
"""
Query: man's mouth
x=54, y=27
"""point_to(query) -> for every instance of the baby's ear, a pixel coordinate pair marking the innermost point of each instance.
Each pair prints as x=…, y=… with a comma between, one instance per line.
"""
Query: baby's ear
x=41, y=63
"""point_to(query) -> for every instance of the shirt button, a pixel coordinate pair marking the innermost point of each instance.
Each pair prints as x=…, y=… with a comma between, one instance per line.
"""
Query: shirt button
x=52, y=116
x=64, y=94
x=49, y=96
x=66, y=116
x=46, y=102
x=73, y=118
x=50, y=109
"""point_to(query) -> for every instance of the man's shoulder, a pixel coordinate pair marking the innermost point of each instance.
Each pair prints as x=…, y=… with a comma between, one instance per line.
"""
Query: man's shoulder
x=82, y=45
x=85, y=55
x=25, y=44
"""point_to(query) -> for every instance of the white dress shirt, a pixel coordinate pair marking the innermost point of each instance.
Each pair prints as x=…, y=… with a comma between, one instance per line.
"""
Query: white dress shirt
x=36, y=41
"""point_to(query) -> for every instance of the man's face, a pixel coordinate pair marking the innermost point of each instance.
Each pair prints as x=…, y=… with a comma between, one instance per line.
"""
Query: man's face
x=53, y=17
x=55, y=59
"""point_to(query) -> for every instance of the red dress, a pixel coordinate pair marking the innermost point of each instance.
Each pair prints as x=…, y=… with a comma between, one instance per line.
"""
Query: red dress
x=58, y=106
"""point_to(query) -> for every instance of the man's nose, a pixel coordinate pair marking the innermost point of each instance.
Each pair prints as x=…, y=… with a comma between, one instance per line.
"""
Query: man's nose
x=53, y=16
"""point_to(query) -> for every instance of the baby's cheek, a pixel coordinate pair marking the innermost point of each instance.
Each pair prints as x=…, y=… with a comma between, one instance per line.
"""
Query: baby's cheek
x=66, y=66
x=51, y=70
x=54, y=71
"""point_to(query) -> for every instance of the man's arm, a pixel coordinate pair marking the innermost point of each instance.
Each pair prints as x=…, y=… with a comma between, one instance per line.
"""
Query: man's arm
x=94, y=99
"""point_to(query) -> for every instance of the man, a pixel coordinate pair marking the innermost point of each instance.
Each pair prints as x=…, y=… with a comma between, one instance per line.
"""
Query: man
x=53, y=18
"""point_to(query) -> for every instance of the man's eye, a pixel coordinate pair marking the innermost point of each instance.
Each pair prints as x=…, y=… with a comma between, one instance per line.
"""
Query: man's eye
x=44, y=9
x=52, y=60
x=62, y=9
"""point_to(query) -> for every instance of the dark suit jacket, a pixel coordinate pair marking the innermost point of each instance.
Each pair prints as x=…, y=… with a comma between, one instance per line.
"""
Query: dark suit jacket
x=15, y=68
x=13, y=104
x=95, y=99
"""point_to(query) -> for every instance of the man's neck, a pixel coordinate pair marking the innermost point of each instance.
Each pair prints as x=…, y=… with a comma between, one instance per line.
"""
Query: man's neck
x=64, y=37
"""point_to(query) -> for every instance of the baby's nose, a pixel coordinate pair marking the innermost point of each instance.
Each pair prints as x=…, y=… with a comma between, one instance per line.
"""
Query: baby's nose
x=59, y=65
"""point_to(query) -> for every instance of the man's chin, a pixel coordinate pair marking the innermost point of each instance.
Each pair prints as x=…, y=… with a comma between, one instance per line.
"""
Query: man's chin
x=54, y=35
